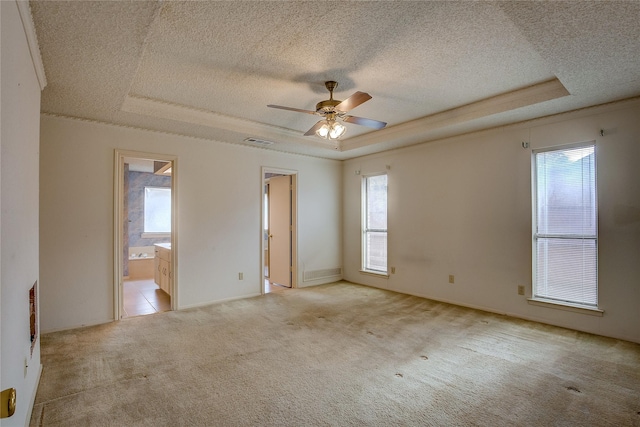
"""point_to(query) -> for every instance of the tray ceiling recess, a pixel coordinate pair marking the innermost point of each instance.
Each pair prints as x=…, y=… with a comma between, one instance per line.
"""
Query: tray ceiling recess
x=428, y=70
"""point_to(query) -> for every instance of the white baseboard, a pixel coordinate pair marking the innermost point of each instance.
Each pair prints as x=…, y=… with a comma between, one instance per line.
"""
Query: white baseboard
x=508, y=313
x=203, y=304
x=84, y=325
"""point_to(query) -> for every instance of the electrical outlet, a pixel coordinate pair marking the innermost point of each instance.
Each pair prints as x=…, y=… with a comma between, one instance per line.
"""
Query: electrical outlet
x=393, y=270
x=451, y=278
x=520, y=289
x=240, y=276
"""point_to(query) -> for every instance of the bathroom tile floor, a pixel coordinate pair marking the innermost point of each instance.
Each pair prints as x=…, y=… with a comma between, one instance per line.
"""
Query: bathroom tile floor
x=144, y=297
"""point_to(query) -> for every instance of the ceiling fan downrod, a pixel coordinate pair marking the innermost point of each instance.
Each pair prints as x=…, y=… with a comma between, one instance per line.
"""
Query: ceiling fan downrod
x=328, y=106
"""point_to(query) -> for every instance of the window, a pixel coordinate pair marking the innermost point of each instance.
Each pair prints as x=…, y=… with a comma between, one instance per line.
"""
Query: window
x=565, y=226
x=157, y=210
x=375, y=224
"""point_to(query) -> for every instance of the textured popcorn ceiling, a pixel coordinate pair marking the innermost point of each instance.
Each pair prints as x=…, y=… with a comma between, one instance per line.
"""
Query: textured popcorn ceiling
x=434, y=69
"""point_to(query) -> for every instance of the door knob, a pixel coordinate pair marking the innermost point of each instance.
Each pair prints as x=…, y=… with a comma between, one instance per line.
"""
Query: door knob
x=8, y=403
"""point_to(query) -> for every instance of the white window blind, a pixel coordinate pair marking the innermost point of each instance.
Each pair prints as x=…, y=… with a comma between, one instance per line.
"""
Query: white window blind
x=375, y=224
x=565, y=238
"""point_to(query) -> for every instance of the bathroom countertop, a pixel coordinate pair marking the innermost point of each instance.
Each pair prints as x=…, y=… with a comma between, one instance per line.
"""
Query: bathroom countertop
x=164, y=245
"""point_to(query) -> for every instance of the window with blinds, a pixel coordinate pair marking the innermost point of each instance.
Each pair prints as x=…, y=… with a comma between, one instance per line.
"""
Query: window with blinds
x=374, y=242
x=157, y=209
x=565, y=226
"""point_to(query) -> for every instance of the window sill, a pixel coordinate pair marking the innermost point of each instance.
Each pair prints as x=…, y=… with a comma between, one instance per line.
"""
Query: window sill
x=155, y=235
x=566, y=306
x=374, y=274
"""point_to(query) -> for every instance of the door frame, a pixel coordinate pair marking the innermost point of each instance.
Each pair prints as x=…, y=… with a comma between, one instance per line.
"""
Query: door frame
x=118, y=244
x=294, y=220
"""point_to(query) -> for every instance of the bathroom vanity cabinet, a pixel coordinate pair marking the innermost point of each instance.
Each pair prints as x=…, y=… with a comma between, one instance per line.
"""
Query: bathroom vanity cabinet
x=163, y=275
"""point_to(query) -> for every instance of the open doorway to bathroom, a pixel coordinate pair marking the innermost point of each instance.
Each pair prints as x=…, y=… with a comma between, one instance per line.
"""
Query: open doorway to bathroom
x=145, y=236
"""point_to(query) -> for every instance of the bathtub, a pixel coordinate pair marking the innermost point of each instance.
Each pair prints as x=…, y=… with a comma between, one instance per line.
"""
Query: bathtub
x=141, y=262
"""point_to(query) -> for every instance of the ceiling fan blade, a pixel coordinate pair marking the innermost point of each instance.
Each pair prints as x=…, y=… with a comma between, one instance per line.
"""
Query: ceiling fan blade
x=315, y=127
x=364, y=122
x=291, y=109
x=353, y=101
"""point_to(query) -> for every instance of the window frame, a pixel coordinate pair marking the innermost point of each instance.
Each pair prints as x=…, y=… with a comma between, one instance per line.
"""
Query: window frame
x=154, y=234
x=536, y=299
x=366, y=230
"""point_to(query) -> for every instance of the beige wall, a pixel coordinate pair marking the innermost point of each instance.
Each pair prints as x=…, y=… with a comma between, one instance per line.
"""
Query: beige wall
x=219, y=217
x=20, y=111
x=460, y=206
x=463, y=207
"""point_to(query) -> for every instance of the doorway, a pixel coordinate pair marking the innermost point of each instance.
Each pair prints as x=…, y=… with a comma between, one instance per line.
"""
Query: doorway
x=145, y=234
x=279, y=229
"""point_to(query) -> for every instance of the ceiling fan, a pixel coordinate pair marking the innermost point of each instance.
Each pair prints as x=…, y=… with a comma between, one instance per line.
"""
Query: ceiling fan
x=332, y=110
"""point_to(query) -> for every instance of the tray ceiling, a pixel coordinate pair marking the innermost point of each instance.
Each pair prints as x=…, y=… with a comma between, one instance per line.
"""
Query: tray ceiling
x=434, y=69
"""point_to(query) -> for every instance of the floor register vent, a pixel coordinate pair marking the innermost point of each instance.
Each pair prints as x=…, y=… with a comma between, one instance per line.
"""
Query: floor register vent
x=322, y=274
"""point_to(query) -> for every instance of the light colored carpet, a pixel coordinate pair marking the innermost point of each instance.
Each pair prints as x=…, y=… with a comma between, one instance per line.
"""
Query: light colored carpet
x=335, y=355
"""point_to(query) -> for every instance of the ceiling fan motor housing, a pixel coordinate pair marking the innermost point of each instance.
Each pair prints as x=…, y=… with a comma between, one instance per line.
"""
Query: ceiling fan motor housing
x=327, y=106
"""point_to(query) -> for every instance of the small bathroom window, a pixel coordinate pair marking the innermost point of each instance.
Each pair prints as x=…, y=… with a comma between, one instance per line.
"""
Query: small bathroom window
x=157, y=212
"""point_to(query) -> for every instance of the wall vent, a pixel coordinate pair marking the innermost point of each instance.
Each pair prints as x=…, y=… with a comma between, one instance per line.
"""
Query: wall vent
x=322, y=274
x=258, y=141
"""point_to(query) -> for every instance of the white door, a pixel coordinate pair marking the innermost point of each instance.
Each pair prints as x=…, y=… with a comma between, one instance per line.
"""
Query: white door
x=280, y=230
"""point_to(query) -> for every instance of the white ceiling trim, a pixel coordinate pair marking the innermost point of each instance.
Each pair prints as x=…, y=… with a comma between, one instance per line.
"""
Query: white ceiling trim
x=406, y=132
x=32, y=40
x=182, y=113
x=248, y=128
x=545, y=91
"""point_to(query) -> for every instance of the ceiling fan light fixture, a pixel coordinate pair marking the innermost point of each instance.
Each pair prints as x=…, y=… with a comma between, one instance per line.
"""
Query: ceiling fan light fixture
x=323, y=132
x=337, y=130
x=331, y=130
